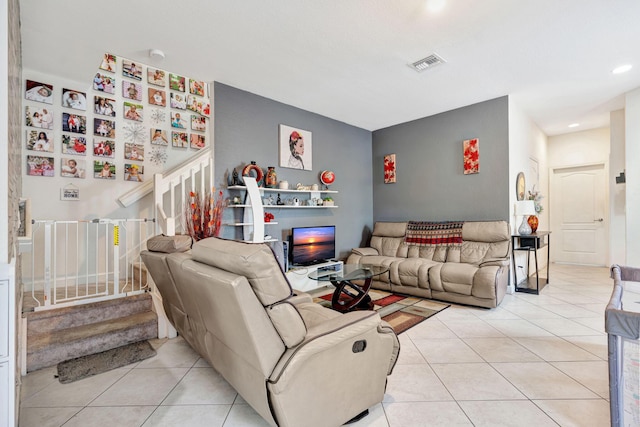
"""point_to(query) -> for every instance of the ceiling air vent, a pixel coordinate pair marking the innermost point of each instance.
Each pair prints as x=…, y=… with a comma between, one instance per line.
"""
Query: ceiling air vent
x=428, y=62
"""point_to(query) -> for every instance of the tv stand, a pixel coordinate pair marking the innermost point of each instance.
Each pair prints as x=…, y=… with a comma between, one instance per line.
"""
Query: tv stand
x=298, y=276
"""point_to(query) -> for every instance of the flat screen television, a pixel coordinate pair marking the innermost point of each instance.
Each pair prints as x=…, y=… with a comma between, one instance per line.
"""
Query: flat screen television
x=312, y=245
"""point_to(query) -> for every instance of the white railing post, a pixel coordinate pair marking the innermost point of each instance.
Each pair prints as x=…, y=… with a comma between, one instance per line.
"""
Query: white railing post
x=47, y=263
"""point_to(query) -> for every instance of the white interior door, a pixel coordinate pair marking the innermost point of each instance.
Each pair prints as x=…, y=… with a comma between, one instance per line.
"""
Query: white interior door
x=578, y=197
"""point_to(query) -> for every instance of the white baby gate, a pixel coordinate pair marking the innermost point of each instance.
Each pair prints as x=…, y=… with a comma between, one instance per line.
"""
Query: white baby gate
x=77, y=262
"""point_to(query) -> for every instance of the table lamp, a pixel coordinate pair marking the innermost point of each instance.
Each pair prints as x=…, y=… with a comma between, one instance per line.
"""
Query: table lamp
x=525, y=208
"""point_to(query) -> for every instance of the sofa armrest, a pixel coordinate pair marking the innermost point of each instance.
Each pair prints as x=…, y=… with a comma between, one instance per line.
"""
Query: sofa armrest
x=500, y=262
x=325, y=337
x=364, y=251
x=299, y=297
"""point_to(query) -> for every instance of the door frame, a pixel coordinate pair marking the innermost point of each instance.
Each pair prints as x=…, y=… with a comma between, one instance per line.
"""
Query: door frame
x=607, y=202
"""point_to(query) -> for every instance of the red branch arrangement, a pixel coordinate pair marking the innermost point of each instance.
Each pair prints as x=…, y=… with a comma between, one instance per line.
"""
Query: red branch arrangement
x=203, y=215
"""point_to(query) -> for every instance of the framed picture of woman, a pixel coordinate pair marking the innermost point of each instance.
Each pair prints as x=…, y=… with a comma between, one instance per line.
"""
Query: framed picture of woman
x=295, y=148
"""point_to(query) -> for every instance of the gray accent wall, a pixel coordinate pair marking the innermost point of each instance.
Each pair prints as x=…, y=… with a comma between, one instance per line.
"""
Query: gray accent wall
x=430, y=183
x=246, y=129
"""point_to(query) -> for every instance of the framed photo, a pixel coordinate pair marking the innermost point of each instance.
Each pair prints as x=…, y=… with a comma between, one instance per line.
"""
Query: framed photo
x=70, y=193
x=179, y=139
x=104, y=128
x=39, y=92
x=295, y=148
x=72, y=168
x=104, y=170
x=133, y=172
x=74, y=99
x=38, y=117
x=75, y=145
x=103, y=83
x=40, y=166
x=74, y=123
x=157, y=97
x=159, y=137
x=155, y=76
x=131, y=69
x=132, y=91
x=133, y=151
x=178, y=101
x=108, y=63
x=104, y=147
x=133, y=111
x=39, y=141
x=196, y=141
x=104, y=106
x=176, y=82
x=196, y=87
x=177, y=121
x=198, y=123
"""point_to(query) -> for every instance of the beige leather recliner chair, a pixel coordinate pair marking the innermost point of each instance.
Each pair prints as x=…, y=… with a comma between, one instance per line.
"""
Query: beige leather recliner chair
x=295, y=362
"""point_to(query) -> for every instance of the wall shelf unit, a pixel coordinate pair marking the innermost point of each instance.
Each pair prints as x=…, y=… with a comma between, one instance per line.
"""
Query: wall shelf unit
x=253, y=216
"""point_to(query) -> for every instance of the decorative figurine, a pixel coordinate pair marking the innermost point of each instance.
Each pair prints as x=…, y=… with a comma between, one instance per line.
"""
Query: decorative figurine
x=236, y=178
x=279, y=200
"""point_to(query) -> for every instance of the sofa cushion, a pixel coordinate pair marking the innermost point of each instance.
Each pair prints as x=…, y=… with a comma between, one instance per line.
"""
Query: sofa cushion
x=390, y=229
x=412, y=272
x=389, y=246
x=486, y=231
x=169, y=244
x=457, y=278
x=255, y=261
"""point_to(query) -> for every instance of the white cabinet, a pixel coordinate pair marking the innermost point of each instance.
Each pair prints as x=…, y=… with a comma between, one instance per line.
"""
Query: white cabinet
x=7, y=345
x=299, y=276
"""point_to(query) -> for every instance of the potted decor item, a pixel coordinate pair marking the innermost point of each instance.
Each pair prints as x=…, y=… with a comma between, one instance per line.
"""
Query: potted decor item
x=533, y=219
x=327, y=201
x=203, y=214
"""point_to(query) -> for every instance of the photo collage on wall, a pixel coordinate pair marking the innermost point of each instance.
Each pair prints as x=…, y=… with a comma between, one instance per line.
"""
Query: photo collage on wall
x=107, y=123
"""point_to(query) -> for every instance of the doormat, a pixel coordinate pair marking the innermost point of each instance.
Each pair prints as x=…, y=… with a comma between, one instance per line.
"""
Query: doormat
x=400, y=311
x=93, y=364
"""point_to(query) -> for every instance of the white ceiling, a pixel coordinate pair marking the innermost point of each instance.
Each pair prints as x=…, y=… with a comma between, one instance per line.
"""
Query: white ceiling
x=347, y=59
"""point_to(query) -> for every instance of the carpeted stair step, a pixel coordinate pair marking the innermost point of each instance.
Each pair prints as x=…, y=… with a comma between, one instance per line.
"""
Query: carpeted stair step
x=50, y=348
x=39, y=322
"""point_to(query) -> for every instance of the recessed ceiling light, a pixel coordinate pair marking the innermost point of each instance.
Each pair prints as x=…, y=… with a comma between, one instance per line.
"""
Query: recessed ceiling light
x=622, y=69
x=574, y=125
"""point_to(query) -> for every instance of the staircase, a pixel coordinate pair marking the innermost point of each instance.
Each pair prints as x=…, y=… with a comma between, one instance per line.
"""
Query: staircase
x=54, y=336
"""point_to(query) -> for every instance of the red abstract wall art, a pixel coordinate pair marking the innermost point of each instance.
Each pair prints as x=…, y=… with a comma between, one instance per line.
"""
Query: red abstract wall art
x=471, y=149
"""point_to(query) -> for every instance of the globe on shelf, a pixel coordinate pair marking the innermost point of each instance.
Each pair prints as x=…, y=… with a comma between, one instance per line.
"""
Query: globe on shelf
x=327, y=178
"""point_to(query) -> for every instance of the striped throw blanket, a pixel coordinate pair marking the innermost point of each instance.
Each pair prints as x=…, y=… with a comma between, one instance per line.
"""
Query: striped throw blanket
x=423, y=233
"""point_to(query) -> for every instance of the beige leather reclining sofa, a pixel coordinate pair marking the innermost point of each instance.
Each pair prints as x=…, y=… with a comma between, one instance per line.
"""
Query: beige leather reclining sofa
x=295, y=362
x=474, y=272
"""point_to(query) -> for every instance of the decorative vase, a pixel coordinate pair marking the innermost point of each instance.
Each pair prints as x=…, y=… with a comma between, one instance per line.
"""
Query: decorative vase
x=271, y=179
x=525, y=228
x=533, y=223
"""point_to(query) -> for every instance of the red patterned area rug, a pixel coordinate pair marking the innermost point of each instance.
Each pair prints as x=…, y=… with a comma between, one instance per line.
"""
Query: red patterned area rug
x=400, y=311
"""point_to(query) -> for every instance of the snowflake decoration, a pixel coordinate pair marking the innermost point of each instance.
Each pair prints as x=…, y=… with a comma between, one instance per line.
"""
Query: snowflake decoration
x=134, y=133
x=158, y=116
x=158, y=156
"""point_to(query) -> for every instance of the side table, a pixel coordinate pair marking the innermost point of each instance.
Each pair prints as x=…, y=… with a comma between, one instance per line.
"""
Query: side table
x=531, y=284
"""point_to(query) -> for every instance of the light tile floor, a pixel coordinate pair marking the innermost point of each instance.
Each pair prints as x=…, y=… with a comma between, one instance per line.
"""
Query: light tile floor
x=535, y=360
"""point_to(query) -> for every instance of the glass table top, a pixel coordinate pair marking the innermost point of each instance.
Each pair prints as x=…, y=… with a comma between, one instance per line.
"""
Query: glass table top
x=348, y=272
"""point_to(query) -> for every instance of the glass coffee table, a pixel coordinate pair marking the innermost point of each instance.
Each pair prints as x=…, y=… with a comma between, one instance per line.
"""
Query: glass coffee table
x=350, y=296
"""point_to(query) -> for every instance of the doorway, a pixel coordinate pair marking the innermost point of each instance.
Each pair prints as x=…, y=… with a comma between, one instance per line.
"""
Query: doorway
x=578, y=214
